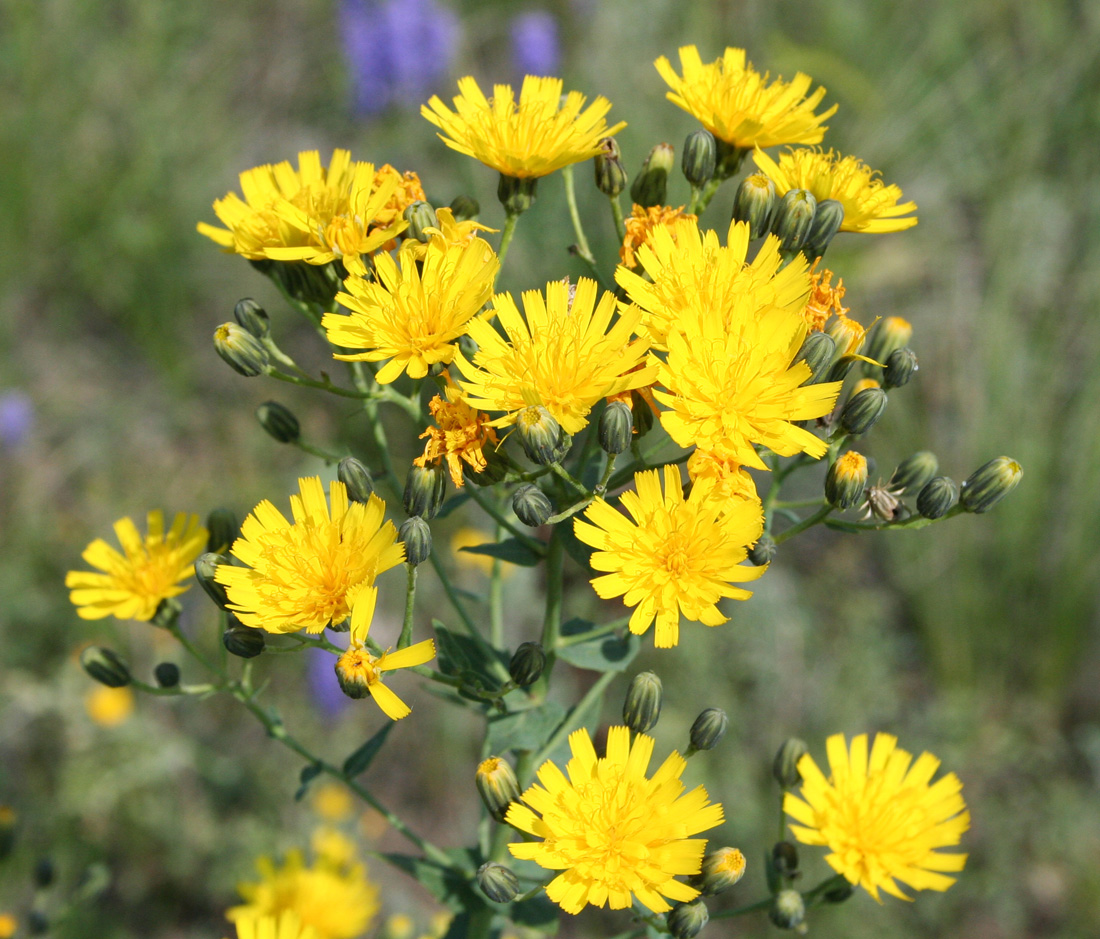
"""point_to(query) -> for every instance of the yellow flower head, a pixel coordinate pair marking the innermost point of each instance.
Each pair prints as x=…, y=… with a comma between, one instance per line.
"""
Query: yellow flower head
x=453, y=233
x=149, y=569
x=880, y=817
x=407, y=190
x=461, y=436
x=109, y=707
x=738, y=105
x=869, y=204
x=412, y=315
x=528, y=139
x=360, y=672
x=614, y=834
x=332, y=801
x=731, y=480
x=471, y=537
x=824, y=300
x=689, y=269
x=565, y=356
x=8, y=925
x=305, y=574
x=641, y=224
x=677, y=557
x=285, y=925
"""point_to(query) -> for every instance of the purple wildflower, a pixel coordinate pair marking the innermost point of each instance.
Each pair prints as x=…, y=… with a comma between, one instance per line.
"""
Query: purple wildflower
x=16, y=418
x=535, y=46
x=323, y=686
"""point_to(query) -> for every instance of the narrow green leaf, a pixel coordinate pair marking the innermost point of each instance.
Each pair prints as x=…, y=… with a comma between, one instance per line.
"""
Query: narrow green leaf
x=361, y=758
x=602, y=654
x=511, y=550
x=527, y=730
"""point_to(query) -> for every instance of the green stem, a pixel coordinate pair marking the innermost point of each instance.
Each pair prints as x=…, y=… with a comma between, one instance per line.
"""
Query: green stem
x=582, y=249
x=329, y=458
x=560, y=471
x=624, y=476
x=693, y=204
x=496, y=597
x=471, y=629
x=551, y=622
x=313, y=383
x=742, y=910
x=497, y=516
x=596, y=691
x=410, y=602
x=819, y=516
x=510, y=220
x=617, y=214
x=603, y=630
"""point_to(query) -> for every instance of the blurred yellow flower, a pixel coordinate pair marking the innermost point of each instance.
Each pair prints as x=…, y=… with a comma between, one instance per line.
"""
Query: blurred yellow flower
x=149, y=570
x=880, y=817
x=285, y=925
x=109, y=707
x=526, y=139
x=332, y=846
x=640, y=225
x=614, y=834
x=470, y=537
x=460, y=437
x=8, y=925
x=332, y=801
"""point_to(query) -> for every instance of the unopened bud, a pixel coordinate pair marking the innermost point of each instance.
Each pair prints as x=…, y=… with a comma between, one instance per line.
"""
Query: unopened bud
x=721, y=869
x=651, y=184
x=105, y=667
x=253, y=317
x=839, y=370
x=846, y=480
x=541, y=436
x=497, y=785
x=417, y=538
x=465, y=208
x=937, y=497
x=708, y=729
x=167, y=674
x=611, y=175
x=206, y=570
x=887, y=335
x=862, y=411
x=241, y=350
x=785, y=766
x=279, y=421
x=497, y=882
x=755, y=203
x=167, y=613
x=527, y=664
x=699, y=157
x=989, y=484
x=787, y=910
x=425, y=487
x=839, y=892
x=356, y=479
x=901, y=365
x=354, y=669
x=785, y=859
x=38, y=923
x=517, y=195
x=763, y=551
x=794, y=214
x=616, y=427
x=531, y=505
x=828, y=217
x=43, y=874
x=817, y=351
x=643, y=413
x=420, y=216
x=223, y=529
x=245, y=642
x=913, y=472
x=642, y=707
x=688, y=919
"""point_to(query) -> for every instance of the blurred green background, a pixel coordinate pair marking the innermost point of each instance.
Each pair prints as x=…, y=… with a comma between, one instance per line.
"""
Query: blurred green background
x=122, y=120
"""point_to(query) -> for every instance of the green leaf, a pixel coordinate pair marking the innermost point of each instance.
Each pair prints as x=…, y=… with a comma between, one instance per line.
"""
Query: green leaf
x=511, y=550
x=602, y=654
x=459, y=656
x=527, y=730
x=574, y=547
x=309, y=773
x=538, y=912
x=452, y=503
x=451, y=888
x=361, y=758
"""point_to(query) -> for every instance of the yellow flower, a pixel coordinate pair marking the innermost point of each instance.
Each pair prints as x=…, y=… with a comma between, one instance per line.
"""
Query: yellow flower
x=332, y=846
x=412, y=315
x=305, y=575
x=460, y=437
x=109, y=707
x=565, y=356
x=824, y=299
x=332, y=801
x=641, y=224
x=614, y=834
x=879, y=816
x=408, y=189
x=149, y=570
x=869, y=204
x=731, y=480
x=285, y=925
x=8, y=925
x=689, y=269
x=528, y=139
x=470, y=537
x=678, y=557
x=335, y=901
x=453, y=233
x=738, y=105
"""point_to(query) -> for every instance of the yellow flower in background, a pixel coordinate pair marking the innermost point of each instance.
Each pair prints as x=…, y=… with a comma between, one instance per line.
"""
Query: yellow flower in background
x=332, y=801
x=526, y=139
x=731, y=480
x=470, y=537
x=869, y=204
x=674, y=556
x=452, y=232
x=149, y=570
x=565, y=355
x=332, y=846
x=738, y=105
x=615, y=834
x=412, y=315
x=305, y=574
x=641, y=224
x=881, y=816
x=8, y=925
x=109, y=707
x=460, y=438
x=285, y=925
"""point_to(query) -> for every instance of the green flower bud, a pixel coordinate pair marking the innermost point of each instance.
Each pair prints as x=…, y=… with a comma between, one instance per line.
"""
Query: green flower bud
x=610, y=173
x=517, y=195
x=241, y=350
x=43, y=874
x=913, y=472
x=223, y=530
x=279, y=421
x=246, y=642
x=989, y=484
x=862, y=411
x=728, y=159
x=901, y=365
x=541, y=436
x=497, y=882
x=531, y=505
x=310, y=283
x=763, y=551
x=721, y=869
x=839, y=370
x=253, y=317
x=643, y=414
x=785, y=859
x=497, y=785
x=788, y=909
x=465, y=208
x=38, y=923
x=817, y=351
x=838, y=893
x=700, y=156
x=425, y=487
x=417, y=538
x=937, y=497
x=687, y=919
x=794, y=214
x=708, y=729
x=527, y=664
x=616, y=427
x=206, y=567
x=356, y=479
x=785, y=766
x=755, y=203
x=353, y=673
x=167, y=613
x=651, y=184
x=846, y=480
x=420, y=216
x=642, y=707
x=167, y=674
x=828, y=217
x=887, y=335
x=105, y=667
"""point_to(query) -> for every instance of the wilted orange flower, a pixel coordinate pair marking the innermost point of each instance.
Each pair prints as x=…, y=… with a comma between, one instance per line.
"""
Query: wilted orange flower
x=460, y=437
x=641, y=223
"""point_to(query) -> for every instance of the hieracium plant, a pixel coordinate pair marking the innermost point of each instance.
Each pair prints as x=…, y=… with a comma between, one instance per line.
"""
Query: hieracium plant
x=641, y=424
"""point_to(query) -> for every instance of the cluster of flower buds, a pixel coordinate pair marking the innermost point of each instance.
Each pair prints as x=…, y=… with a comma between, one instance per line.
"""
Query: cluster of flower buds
x=798, y=220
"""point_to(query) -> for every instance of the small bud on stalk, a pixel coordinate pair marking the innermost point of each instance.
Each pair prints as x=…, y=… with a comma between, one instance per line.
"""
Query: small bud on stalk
x=105, y=666
x=465, y=208
x=901, y=365
x=937, y=497
x=541, y=436
x=497, y=882
x=793, y=217
x=788, y=909
x=44, y=873
x=763, y=551
x=417, y=538
x=688, y=919
x=253, y=317
x=913, y=472
x=497, y=785
x=420, y=216
x=223, y=530
x=817, y=351
x=708, y=729
x=643, y=414
x=206, y=567
x=356, y=479
x=279, y=421
x=424, y=490
x=241, y=350
x=651, y=184
x=167, y=674
x=838, y=893
x=698, y=161
x=989, y=484
x=531, y=505
x=642, y=707
x=785, y=766
x=245, y=642
x=886, y=336
x=862, y=411
x=722, y=869
x=846, y=480
x=755, y=204
x=785, y=859
x=611, y=176
x=616, y=427
x=517, y=195
x=527, y=664
x=828, y=217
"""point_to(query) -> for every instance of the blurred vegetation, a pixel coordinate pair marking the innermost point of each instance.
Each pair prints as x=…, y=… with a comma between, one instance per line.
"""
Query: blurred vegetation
x=121, y=121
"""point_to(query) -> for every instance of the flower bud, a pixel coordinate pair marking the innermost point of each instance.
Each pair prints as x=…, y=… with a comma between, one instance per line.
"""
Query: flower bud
x=531, y=505
x=838, y=893
x=688, y=919
x=223, y=529
x=901, y=365
x=616, y=427
x=989, y=484
x=729, y=158
x=527, y=664
x=241, y=350
x=541, y=436
x=651, y=184
x=356, y=479
x=643, y=413
x=43, y=873
x=787, y=910
x=937, y=497
x=846, y=480
x=38, y=923
x=417, y=538
x=785, y=858
x=610, y=173
x=839, y=370
x=206, y=567
x=167, y=674
x=794, y=214
x=517, y=195
x=497, y=785
x=465, y=208
x=642, y=707
x=245, y=642
x=354, y=669
x=785, y=766
x=167, y=613
x=763, y=551
x=755, y=203
x=253, y=317
x=887, y=335
x=828, y=217
x=279, y=421
x=699, y=157
x=722, y=869
x=862, y=411
x=913, y=472
x=708, y=729
x=817, y=351
x=420, y=215
x=424, y=490
x=497, y=882
x=105, y=667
